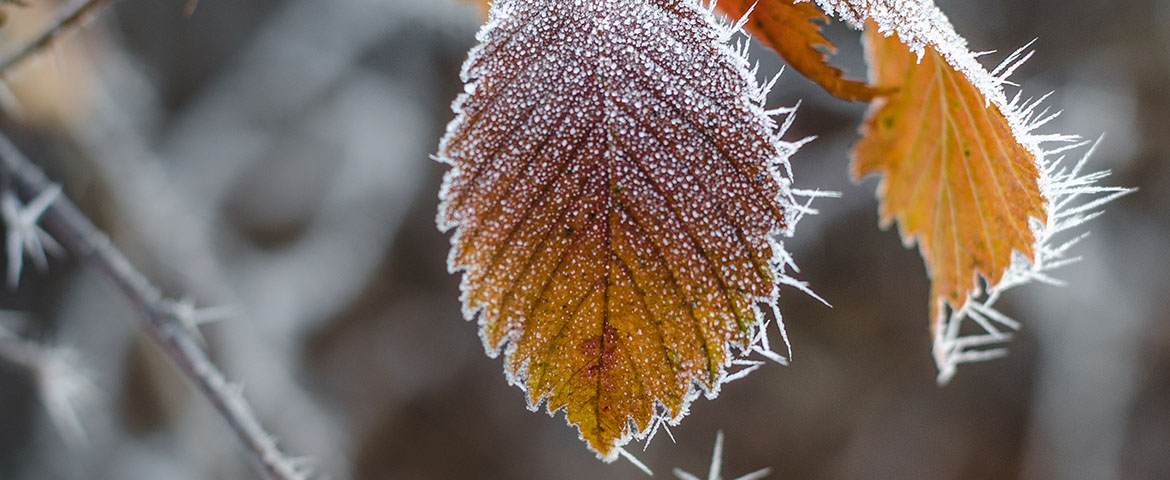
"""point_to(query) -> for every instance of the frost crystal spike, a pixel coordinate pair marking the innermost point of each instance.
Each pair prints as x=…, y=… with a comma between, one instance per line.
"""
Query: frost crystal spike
x=616, y=188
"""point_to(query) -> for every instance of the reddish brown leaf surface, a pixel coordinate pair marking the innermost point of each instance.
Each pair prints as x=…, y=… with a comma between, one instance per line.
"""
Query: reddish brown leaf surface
x=614, y=190
x=955, y=178
x=791, y=29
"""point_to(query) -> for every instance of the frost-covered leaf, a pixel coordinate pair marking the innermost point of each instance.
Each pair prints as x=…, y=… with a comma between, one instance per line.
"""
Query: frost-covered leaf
x=955, y=178
x=1024, y=195
x=791, y=29
x=919, y=24
x=615, y=189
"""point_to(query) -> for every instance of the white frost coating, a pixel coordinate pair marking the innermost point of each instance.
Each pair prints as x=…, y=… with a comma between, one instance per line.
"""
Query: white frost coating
x=533, y=64
x=919, y=23
x=1071, y=197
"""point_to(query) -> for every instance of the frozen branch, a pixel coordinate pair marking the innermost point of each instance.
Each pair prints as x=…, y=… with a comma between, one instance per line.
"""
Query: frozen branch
x=161, y=317
x=67, y=23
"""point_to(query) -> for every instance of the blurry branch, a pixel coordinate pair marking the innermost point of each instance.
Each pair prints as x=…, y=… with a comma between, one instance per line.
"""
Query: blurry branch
x=68, y=22
x=162, y=317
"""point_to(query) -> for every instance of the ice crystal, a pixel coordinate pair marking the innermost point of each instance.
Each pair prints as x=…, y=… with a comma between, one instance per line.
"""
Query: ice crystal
x=715, y=472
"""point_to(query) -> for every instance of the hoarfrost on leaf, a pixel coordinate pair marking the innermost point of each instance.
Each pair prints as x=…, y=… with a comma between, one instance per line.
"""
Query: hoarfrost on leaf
x=793, y=30
x=617, y=189
x=1069, y=197
x=1072, y=198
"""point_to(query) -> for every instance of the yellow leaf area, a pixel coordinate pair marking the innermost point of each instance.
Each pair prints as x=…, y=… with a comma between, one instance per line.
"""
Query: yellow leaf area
x=955, y=178
x=614, y=203
x=791, y=30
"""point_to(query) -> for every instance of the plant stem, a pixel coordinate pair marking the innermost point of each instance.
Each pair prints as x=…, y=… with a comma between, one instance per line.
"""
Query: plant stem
x=65, y=222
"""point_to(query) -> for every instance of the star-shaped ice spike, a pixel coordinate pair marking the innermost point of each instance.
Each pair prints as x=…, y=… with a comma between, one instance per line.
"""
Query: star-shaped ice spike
x=24, y=235
x=717, y=465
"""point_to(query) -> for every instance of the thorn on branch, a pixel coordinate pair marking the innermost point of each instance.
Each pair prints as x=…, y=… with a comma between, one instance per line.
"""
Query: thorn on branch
x=190, y=318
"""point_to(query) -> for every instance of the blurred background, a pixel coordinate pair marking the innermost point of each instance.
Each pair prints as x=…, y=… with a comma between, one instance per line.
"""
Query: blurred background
x=272, y=156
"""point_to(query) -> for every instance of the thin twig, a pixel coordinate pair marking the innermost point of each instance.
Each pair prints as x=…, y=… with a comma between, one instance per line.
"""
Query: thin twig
x=68, y=22
x=65, y=222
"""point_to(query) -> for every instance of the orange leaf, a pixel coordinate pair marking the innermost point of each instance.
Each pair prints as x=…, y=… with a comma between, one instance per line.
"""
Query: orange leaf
x=615, y=187
x=791, y=30
x=956, y=179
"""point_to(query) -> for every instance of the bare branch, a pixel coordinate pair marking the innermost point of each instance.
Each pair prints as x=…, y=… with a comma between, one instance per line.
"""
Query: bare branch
x=67, y=23
x=160, y=315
